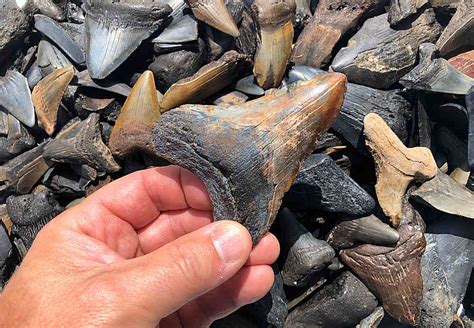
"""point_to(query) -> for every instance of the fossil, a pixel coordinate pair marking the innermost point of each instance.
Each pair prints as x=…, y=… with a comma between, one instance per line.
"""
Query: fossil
x=15, y=97
x=215, y=14
x=50, y=58
x=373, y=320
x=403, y=9
x=17, y=141
x=84, y=79
x=397, y=166
x=464, y=63
x=231, y=99
x=392, y=274
x=178, y=32
x=233, y=148
x=249, y=86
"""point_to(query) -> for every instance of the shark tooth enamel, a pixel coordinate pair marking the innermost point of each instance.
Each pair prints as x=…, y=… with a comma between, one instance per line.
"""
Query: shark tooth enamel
x=47, y=95
x=331, y=21
x=50, y=58
x=304, y=255
x=322, y=185
x=116, y=29
x=85, y=80
x=464, y=63
x=458, y=34
x=249, y=155
x=275, y=40
x=446, y=195
x=248, y=86
x=179, y=31
x=393, y=274
x=15, y=97
x=403, y=9
x=396, y=165
x=378, y=56
x=366, y=230
x=215, y=14
x=436, y=75
x=210, y=79
x=81, y=142
x=140, y=113
x=53, y=31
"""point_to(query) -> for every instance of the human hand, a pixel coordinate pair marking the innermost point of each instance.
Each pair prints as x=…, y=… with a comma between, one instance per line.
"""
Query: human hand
x=140, y=252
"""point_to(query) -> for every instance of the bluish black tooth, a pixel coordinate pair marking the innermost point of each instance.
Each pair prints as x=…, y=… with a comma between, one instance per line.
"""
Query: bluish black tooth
x=249, y=86
x=15, y=97
x=179, y=31
x=53, y=31
x=50, y=58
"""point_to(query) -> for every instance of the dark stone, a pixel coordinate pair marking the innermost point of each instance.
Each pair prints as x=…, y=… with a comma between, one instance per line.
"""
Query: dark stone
x=470, y=110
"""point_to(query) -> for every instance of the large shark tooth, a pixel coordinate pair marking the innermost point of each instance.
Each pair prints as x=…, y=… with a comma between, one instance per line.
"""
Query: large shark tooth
x=249, y=155
x=446, y=195
x=378, y=56
x=276, y=38
x=59, y=36
x=397, y=166
x=304, y=254
x=15, y=97
x=436, y=75
x=331, y=21
x=47, y=95
x=215, y=14
x=402, y=9
x=392, y=274
x=321, y=184
x=458, y=33
x=210, y=79
x=346, y=293
x=366, y=230
x=464, y=63
x=116, y=29
x=82, y=143
x=140, y=113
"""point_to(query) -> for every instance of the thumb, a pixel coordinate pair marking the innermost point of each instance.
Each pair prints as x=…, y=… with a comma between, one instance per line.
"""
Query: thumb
x=168, y=278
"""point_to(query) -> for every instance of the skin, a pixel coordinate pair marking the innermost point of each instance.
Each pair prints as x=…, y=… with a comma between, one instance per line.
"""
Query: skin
x=140, y=252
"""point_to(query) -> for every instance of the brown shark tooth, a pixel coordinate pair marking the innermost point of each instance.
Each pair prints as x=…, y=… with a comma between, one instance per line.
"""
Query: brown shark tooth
x=366, y=230
x=140, y=113
x=332, y=20
x=47, y=95
x=215, y=14
x=392, y=274
x=397, y=166
x=464, y=63
x=276, y=38
x=458, y=33
x=82, y=143
x=249, y=155
x=210, y=79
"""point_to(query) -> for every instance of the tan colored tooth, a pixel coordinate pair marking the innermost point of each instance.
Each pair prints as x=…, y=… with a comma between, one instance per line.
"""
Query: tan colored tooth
x=276, y=38
x=47, y=95
x=215, y=14
x=210, y=79
x=141, y=111
x=397, y=166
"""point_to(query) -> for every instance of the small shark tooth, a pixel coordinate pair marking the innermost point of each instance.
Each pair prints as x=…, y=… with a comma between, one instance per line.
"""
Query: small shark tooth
x=378, y=56
x=276, y=38
x=446, y=195
x=436, y=75
x=140, y=113
x=81, y=142
x=210, y=79
x=346, y=293
x=15, y=97
x=366, y=230
x=464, y=63
x=179, y=31
x=402, y=9
x=304, y=254
x=116, y=29
x=248, y=86
x=248, y=155
x=458, y=33
x=397, y=166
x=215, y=14
x=59, y=36
x=321, y=184
x=47, y=95
x=392, y=274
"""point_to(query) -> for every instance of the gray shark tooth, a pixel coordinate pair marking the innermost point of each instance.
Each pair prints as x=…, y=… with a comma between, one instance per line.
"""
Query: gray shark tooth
x=85, y=80
x=17, y=141
x=179, y=31
x=215, y=14
x=81, y=142
x=15, y=97
x=366, y=230
x=115, y=30
x=436, y=75
x=50, y=58
x=52, y=30
x=458, y=33
x=402, y=9
x=378, y=56
x=346, y=293
x=303, y=73
x=446, y=195
x=249, y=86
x=304, y=254
x=321, y=184
x=470, y=111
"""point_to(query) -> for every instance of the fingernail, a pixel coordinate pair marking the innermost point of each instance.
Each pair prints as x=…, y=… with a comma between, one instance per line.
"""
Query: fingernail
x=229, y=242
